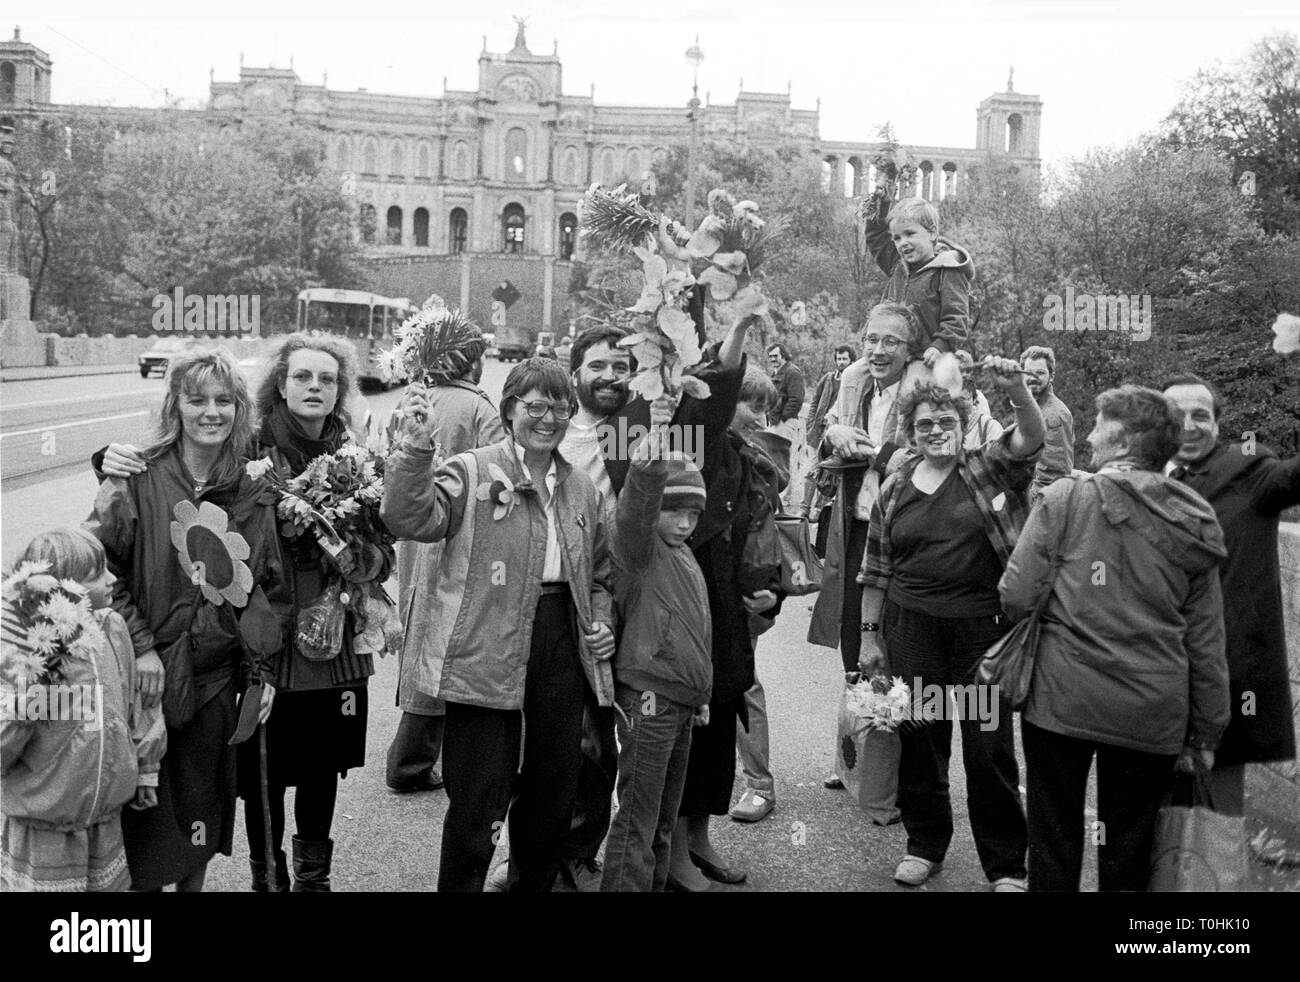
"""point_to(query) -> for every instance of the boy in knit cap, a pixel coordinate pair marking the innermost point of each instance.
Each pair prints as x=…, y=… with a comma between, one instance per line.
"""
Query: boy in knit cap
x=663, y=671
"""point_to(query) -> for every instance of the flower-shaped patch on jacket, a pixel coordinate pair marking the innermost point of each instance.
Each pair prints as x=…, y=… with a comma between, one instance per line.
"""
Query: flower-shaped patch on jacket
x=501, y=491
x=212, y=555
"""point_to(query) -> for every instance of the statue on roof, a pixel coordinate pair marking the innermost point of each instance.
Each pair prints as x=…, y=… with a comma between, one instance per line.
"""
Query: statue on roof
x=1011, y=77
x=519, y=34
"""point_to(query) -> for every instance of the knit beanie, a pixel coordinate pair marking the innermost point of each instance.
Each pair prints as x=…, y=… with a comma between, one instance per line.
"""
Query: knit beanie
x=685, y=486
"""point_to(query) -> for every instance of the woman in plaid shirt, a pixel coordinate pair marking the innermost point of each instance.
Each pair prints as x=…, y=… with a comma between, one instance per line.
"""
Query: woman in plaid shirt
x=940, y=536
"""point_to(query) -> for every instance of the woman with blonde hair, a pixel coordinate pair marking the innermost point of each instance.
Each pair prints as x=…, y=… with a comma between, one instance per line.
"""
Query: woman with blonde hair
x=194, y=492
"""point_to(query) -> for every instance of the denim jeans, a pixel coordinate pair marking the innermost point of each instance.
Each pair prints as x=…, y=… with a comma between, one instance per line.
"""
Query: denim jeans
x=654, y=746
x=943, y=651
x=1130, y=788
x=753, y=745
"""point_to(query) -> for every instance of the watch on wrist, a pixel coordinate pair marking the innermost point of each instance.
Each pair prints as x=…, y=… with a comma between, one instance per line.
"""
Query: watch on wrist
x=870, y=626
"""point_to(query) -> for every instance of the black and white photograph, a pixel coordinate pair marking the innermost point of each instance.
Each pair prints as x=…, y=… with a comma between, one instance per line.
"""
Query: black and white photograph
x=691, y=447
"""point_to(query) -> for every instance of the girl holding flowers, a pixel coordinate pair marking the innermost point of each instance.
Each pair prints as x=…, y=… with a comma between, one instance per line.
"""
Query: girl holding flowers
x=67, y=774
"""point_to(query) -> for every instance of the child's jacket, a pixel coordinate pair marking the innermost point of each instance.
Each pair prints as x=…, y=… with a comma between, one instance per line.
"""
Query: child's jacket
x=938, y=291
x=70, y=774
x=663, y=604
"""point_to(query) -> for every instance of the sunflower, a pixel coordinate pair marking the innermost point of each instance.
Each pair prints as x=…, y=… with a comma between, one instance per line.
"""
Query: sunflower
x=213, y=556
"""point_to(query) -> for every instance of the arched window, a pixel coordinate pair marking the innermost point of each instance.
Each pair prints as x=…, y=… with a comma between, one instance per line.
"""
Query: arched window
x=8, y=83
x=608, y=169
x=949, y=185
x=460, y=164
x=828, y=172
x=371, y=158
x=516, y=155
x=397, y=160
x=634, y=164
x=423, y=160
x=368, y=223
x=422, y=227
x=1015, y=133
x=569, y=173
x=394, y=225
x=512, y=228
x=659, y=157
x=342, y=154
x=925, y=180
x=457, y=231
x=568, y=234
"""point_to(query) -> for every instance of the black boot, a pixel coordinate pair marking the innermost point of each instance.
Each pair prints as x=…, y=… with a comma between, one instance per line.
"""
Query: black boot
x=281, y=874
x=311, y=865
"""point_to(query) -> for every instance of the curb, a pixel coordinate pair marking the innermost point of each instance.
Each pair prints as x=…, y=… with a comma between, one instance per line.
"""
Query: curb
x=35, y=373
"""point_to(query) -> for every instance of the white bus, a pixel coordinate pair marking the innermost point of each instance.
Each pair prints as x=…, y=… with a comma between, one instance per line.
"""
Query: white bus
x=365, y=319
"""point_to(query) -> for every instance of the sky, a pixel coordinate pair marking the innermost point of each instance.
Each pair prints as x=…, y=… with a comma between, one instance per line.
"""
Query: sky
x=1106, y=72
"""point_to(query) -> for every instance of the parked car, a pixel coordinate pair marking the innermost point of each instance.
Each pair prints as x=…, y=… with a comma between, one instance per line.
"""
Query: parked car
x=157, y=358
x=490, y=339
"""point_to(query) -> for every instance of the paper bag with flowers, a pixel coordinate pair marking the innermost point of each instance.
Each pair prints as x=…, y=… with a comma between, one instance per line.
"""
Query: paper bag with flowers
x=47, y=623
x=867, y=747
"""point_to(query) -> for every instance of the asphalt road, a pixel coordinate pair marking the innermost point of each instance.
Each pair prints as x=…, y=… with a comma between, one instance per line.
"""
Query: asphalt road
x=814, y=840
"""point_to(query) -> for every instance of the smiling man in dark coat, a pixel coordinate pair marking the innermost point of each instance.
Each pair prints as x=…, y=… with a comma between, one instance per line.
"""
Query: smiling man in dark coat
x=1248, y=487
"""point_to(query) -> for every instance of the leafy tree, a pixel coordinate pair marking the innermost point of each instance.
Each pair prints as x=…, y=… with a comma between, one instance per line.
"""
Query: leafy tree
x=1250, y=113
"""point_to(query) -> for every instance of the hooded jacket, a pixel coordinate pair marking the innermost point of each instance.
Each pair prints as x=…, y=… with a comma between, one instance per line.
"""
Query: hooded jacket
x=71, y=774
x=1132, y=645
x=938, y=291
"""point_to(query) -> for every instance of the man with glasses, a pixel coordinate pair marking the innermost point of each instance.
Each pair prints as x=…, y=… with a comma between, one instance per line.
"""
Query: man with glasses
x=861, y=445
x=784, y=420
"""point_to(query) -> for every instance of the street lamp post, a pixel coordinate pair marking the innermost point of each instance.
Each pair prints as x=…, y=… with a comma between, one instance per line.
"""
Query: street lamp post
x=694, y=55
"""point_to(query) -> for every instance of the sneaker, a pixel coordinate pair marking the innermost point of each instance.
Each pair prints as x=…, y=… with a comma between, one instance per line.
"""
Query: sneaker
x=1010, y=884
x=833, y=783
x=913, y=871
x=753, y=807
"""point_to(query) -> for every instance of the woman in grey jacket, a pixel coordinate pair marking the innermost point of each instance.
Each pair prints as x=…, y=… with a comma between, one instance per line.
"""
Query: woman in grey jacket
x=1131, y=663
x=523, y=611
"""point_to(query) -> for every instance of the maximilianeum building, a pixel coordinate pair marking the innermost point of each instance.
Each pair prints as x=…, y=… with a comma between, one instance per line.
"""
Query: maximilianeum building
x=460, y=193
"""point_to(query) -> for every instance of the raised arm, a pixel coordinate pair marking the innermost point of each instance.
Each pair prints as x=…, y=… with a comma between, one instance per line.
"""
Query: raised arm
x=1275, y=484
x=639, y=503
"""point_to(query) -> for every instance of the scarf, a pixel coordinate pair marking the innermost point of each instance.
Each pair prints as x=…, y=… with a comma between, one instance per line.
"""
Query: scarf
x=281, y=429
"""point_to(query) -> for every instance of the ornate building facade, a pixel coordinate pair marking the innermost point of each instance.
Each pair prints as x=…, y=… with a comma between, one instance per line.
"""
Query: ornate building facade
x=459, y=192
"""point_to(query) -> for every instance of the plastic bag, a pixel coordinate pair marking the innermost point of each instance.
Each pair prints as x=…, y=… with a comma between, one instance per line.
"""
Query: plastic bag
x=1197, y=849
x=320, y=625
x=381, y=630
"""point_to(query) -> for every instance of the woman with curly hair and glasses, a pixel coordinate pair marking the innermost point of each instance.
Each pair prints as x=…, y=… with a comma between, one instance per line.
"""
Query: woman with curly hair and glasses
x=205, y=436
x=940, y=534
x=523, y=605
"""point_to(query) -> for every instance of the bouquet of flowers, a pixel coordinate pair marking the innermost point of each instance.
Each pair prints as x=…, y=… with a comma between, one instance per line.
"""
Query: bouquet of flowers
x=880, y=703
x=48, y=622
x=423, y=339
x=334, y=504
x=721, y=256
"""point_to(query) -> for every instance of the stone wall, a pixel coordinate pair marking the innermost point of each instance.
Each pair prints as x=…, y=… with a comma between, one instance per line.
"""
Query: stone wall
x=56, y=351
x=1289, y=555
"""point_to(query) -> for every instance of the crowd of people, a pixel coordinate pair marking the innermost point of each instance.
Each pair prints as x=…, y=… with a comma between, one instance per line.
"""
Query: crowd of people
x=580, y=618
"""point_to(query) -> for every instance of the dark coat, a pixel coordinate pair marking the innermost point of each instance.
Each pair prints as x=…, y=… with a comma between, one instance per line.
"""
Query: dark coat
x=1248, y=491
